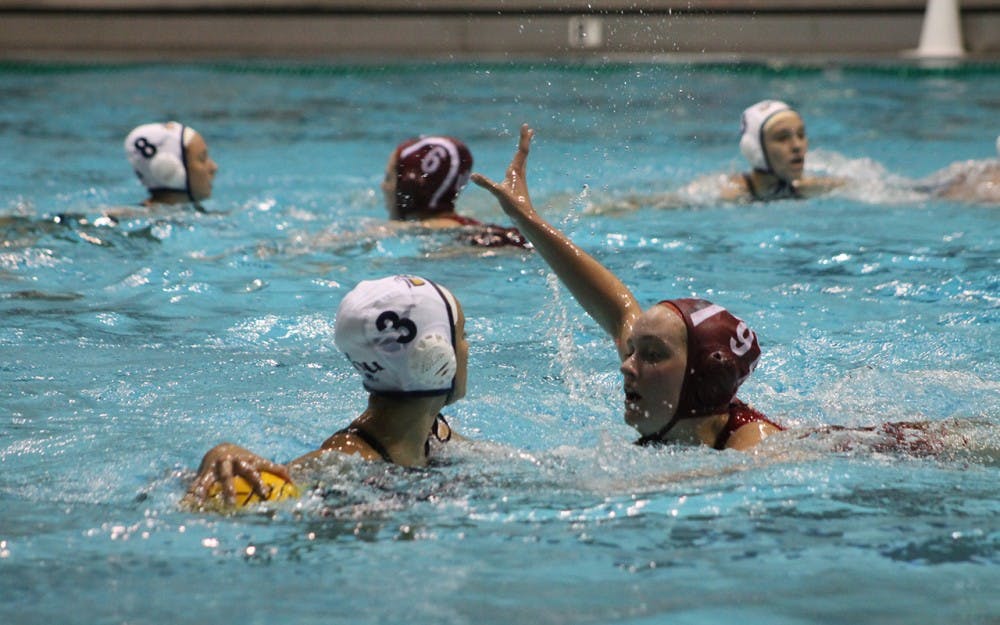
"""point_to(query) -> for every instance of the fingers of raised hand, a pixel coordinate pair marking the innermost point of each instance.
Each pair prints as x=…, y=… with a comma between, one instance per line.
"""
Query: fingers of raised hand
x=512, y=187
x=524, y=144
x=484, y=182
x=517, y=164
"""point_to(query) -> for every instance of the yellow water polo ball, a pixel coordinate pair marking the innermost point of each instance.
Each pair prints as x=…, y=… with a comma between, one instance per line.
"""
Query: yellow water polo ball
x=281, y=490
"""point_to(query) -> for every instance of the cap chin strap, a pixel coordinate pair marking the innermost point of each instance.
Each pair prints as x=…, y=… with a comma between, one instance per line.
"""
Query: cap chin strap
x=763, y=145
x=782, y=187
x=184, y=163
x=657, y=437
x=452, y=308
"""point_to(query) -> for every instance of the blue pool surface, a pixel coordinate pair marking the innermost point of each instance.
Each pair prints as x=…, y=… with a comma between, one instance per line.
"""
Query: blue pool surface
x=130, y=349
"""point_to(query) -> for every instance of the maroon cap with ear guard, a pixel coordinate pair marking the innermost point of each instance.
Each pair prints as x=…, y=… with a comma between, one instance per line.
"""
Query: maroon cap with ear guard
x=722, y=352
x=430, y=173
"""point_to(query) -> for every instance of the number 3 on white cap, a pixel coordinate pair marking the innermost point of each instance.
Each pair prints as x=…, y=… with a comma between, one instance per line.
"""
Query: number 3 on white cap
x=389, y=319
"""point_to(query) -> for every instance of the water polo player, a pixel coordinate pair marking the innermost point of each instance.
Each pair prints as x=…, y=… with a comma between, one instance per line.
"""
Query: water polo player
x=424, y=178
x=405, y=335
x=683, y=360
x=172, y=162
x=773, y=139
x=976, y=181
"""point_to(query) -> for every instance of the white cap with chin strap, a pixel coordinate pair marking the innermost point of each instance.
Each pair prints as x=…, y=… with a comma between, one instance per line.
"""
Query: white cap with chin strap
x=752, y=131
x=399, y=333
x=156, y=153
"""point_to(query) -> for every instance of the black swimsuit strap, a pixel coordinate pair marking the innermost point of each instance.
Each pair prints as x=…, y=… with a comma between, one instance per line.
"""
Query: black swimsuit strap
x=787, y=188
x=753, y=190
x=371, y=441
x=368, y=439
x=783, y=190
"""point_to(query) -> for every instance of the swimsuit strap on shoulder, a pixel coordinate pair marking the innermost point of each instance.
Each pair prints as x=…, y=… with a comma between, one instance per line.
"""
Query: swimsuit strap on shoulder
x=784, y=190
x=750, y=186
x=369, y=440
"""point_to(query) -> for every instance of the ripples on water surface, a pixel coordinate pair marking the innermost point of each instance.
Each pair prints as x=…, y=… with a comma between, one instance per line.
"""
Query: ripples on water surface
x=130, y=349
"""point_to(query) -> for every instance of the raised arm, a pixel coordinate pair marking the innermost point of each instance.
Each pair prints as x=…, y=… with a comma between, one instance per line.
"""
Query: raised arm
x=600, y=292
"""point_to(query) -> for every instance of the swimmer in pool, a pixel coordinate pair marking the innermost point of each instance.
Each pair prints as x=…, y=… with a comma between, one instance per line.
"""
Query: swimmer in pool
x=773, y=139
x=423, y=179
x=683, y=359
x=172, y=162
x=967, y=181
x=405, y=335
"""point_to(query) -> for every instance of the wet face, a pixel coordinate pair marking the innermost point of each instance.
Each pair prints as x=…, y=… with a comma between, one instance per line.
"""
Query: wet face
x=654, y=369
x=461, y=357
x=389, y=187
x=200, y=168
x=786, y=144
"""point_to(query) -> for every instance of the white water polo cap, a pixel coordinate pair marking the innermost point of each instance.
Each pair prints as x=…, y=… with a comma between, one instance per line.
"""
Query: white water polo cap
x=399, y=333
x=156, y=152
x=752, y=131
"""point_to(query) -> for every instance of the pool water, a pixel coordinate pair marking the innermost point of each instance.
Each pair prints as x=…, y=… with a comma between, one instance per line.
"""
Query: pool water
x=130, y=349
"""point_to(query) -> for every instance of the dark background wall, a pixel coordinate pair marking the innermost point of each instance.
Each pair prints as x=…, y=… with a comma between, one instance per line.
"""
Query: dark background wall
x=153, y=29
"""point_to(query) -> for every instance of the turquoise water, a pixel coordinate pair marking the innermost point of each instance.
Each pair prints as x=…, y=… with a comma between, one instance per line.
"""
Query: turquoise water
x=130, y=350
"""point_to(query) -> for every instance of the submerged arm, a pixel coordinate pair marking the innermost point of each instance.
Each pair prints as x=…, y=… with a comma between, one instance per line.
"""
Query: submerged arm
x=819, y=185
x=605, y=298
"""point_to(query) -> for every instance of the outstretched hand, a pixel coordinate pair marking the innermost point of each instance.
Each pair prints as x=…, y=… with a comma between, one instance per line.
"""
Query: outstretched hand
x=222, y=463
x=512, y=193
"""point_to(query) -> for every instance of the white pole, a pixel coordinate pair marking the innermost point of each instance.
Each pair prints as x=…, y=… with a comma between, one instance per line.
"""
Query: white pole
x=941, y=35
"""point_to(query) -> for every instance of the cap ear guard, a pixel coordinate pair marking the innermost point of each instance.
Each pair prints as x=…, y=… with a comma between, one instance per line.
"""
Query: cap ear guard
x=157, y=152
x=752, y=150
x=715, y=379
x=432, y=361
x=168, y=170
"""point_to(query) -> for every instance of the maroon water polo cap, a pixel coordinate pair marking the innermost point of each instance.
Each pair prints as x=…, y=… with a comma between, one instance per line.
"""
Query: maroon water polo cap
x=722, y=352
x=430, y=173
